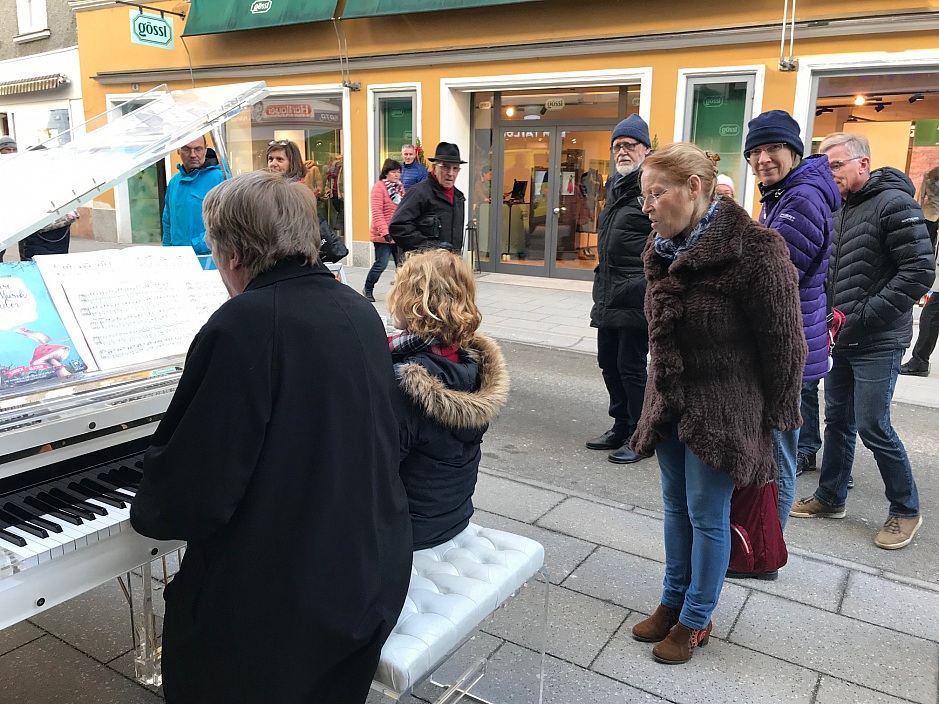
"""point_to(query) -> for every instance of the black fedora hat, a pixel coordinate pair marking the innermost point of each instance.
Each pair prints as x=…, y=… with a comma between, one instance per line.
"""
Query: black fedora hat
x=447, y=152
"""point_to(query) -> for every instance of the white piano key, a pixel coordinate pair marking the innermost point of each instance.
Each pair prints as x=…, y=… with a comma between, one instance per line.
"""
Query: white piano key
x=45, y=549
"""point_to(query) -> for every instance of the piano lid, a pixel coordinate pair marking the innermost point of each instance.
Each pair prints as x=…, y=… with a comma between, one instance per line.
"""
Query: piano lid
x=47, y=183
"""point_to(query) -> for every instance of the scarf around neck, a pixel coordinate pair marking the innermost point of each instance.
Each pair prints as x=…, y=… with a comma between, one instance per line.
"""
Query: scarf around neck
x=405, y=344
x=394, y=191
x=670, y=249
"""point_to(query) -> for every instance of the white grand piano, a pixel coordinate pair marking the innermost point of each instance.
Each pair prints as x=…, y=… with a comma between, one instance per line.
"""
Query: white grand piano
x=71, y=448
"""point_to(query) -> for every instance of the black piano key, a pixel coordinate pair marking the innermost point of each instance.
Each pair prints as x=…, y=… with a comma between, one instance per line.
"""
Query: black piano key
x=96, y=495
x=102, y=490
x=52, y=510
x=113, y=479
x=14, y=539
x=65, y=506
x=24, y=526
x=34, y=518
x=130, y=475
x=77, y=501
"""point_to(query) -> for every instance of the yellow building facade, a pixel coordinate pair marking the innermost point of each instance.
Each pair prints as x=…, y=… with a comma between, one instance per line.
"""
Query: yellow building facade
x=530, y=92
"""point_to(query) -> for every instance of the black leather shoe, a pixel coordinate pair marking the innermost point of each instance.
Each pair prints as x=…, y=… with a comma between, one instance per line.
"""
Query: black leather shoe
x=369, y=296
x=610, y=440
x=765, y=576
x=805, y=463
x=625, y=455
x=912, y=368
x=851, y=482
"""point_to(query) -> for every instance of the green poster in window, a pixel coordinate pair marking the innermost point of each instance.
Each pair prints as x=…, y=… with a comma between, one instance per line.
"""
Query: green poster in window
x=926, y=133
x=396, y=127
x=717, y=123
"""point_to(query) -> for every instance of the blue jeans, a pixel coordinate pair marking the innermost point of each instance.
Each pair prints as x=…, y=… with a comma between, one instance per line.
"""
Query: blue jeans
x=858, y=391
x=383, y=252
x=697, y=531
x=785, y=450
x=810, y=438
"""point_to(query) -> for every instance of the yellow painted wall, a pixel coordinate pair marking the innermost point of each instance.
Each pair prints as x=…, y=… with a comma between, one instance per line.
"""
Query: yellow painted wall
x=104, y=45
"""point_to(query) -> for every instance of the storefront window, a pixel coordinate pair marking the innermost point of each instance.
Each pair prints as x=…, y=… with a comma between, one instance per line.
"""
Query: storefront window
x=314, y=124
x=481, y=169
x=395, y=126
x=716, y=115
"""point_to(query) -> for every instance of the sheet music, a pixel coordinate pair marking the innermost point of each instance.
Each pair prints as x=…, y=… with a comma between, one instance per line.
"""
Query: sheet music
x=136, y=304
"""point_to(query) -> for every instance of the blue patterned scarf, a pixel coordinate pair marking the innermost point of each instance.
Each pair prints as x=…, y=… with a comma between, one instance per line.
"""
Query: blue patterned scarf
x=670, y=248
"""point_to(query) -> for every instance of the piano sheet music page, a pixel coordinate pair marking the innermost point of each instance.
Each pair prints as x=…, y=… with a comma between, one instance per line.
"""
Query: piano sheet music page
x=137, y=304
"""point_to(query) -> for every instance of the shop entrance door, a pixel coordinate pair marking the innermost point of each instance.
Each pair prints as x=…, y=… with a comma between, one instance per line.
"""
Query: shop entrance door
x=553, y=181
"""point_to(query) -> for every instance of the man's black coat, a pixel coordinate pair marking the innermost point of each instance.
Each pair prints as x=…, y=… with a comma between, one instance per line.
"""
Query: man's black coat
x=426, y=218
x=277, y=461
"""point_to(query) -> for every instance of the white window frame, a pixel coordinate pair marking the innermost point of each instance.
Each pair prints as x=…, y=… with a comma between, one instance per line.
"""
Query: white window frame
x=377, y=92
x=31, y=17
x=718, y=74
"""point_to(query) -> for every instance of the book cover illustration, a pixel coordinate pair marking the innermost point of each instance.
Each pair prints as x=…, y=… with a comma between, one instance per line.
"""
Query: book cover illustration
x=34, y=344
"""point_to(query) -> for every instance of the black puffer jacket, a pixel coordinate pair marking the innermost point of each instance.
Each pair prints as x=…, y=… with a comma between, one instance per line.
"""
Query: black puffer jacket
x=881, y=263
x=426, y=218
x=619, y=285
x=445, y=407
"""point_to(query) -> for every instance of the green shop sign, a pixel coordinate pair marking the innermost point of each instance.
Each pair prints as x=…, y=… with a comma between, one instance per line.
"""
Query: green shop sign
x=151, y=30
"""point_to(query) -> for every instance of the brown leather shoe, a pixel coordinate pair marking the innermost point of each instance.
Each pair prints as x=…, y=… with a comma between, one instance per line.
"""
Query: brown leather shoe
x=657, y=626
x=679, y=646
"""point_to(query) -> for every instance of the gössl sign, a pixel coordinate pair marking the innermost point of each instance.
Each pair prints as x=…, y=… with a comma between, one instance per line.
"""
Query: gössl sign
x=151, y=30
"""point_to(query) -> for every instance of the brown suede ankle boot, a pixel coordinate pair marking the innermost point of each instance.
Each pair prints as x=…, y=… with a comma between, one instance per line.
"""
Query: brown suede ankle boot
x=679, y=646
x=657, y=626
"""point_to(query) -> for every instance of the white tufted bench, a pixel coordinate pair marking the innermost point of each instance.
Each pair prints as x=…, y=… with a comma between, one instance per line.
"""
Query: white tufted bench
x=454, y=587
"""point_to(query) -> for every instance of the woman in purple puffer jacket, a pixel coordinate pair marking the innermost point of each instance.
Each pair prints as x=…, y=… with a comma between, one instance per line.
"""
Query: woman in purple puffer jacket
x=799, y=196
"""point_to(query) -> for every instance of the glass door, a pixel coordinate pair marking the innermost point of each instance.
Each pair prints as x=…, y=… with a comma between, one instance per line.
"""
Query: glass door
x=526, y=158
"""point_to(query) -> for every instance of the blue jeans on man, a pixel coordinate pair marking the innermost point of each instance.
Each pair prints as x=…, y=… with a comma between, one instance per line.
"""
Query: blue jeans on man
x=697, y=531
x=810, y=436
x=858, y=391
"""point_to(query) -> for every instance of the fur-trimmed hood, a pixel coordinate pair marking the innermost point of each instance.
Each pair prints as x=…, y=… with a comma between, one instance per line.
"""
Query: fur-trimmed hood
x=455, y=407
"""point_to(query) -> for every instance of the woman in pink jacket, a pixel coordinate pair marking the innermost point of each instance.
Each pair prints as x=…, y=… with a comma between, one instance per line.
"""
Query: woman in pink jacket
x=386, y=194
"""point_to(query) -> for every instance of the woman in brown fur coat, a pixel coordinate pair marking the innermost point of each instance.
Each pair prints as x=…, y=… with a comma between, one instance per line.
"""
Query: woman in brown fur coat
x=727, y=351
x=452, y=383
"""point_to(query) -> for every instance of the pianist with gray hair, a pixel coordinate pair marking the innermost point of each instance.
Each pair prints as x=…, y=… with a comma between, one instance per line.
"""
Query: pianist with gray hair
x=276, y=462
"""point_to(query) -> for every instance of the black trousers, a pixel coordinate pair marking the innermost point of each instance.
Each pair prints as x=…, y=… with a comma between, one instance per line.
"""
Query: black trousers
x=928, y=331
x=621, y=354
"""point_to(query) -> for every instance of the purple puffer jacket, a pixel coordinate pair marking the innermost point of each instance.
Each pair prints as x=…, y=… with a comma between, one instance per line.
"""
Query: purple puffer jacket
x=799, y=208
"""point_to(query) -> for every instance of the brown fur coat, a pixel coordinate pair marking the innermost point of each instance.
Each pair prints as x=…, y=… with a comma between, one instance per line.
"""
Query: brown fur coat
x=727, y=347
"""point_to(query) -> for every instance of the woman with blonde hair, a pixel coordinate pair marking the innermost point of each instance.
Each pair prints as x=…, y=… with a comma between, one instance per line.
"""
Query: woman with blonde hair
x=452, y=383
x=727, y=351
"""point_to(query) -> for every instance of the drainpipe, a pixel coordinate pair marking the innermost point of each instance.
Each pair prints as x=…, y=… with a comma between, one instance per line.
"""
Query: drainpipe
x=790, y=63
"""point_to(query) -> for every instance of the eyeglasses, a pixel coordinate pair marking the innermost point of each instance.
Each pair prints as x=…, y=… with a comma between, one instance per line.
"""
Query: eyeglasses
x=757, y=152
x=192, y=150
x=652, y=197
x=625, y=147
x=279, y=143
x=835, y=165
x=448, y=167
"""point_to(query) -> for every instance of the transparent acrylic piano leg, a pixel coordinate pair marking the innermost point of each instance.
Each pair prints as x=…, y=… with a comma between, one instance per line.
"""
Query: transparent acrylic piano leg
x=147, y=649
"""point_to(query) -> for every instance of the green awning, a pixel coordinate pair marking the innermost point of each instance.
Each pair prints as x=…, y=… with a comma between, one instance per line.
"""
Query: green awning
x=374, y=8
x=215, y=16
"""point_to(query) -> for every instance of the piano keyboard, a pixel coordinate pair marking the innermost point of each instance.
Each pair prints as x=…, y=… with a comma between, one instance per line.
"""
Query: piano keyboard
x=51, y=520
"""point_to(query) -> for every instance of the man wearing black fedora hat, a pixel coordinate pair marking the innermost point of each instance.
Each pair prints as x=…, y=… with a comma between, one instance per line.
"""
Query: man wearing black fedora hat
x=431, y=212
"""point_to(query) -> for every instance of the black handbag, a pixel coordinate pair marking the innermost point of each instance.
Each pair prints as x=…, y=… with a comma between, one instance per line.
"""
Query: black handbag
x=332, y=248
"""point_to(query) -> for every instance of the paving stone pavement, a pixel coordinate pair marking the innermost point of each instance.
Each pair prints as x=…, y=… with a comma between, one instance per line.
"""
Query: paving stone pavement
x=826, y=632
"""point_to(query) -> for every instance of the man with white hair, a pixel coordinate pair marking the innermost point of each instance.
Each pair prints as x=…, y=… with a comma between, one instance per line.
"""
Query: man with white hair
x=619, y=289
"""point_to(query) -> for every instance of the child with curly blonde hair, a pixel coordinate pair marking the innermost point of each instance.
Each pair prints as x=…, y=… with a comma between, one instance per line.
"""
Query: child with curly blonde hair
x=452, y=383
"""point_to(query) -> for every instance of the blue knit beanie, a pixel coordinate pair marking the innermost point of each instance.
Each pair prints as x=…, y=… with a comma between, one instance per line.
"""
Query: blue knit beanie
x=771, y=127
x=635, y=127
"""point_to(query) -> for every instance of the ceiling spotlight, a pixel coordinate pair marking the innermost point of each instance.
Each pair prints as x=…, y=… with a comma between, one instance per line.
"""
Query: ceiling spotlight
x=860, y=100
x=819, y=112
x=917, y=96
x=879, y=108
x=509, y=111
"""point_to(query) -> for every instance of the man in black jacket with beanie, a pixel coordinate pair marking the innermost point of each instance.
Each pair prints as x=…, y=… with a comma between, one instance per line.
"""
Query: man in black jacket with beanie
x=619, y=289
